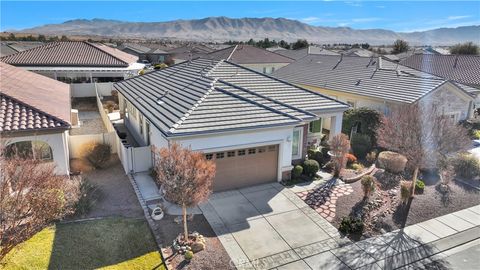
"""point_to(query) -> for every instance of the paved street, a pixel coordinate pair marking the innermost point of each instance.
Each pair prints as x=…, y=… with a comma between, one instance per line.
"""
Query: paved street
x=269, y=227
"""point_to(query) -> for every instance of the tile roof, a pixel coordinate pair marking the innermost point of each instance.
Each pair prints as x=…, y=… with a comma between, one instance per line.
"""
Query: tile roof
x=29, y=101
x=462, y=68
x=246, y=54
x=205, y=96
x=361, y=76
x=297, y=54
x=71, y=53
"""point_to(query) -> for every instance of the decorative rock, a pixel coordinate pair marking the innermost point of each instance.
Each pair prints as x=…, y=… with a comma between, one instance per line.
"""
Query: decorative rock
x=197, y=247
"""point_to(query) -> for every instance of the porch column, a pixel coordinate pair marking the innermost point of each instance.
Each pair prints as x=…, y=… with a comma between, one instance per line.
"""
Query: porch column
x=335, y=125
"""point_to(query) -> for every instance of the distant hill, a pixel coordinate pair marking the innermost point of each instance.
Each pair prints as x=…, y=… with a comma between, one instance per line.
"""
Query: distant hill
x=223, y=29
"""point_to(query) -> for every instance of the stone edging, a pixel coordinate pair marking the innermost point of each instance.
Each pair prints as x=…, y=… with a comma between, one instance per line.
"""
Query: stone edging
x=151, y=223
x=356, y=178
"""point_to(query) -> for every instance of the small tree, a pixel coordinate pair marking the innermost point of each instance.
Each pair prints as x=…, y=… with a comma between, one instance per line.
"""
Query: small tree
x=339, y=145
x=400, y=46
x=185, y=176
x=300, y=44
x=423, y=135
x=467, y=48
x=31, y=197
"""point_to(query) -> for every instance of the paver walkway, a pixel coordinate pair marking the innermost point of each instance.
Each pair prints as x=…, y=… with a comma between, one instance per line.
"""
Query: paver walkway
x=265, y=231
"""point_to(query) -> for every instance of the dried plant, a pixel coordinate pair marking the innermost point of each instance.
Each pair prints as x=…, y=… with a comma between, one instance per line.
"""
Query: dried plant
x=340, y=146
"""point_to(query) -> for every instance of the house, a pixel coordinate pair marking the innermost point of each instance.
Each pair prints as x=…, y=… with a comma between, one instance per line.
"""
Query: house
x=297, y=54
x=34, y=116
x=464, y=69
x=378, y=84
x=189, y=52
x=152, y=54
x=258, y=59
x=11, y=47
x=254, y=126
x=359, y=52
x=79, y=63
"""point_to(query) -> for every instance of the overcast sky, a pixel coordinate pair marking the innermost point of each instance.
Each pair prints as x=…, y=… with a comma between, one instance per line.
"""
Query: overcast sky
x=392, y=15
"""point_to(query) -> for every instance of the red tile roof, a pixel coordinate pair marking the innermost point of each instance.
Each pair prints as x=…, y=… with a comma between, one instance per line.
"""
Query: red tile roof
x=70, y=53
x=29, y=101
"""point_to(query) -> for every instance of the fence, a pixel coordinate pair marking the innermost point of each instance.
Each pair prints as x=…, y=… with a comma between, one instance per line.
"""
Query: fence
x=91, y=89
x=76, y=142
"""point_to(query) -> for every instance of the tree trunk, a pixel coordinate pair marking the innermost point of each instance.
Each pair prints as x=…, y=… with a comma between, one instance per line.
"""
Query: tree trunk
x=185, y=229
x=414, y=182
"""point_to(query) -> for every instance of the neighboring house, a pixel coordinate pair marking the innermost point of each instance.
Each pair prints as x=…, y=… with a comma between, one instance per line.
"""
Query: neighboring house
x=34, y=116
x=464, y=69
x=189, y=52
x=254, y=126
x=378, y=84
x=144, y=53
x=297, y=54
x=76, y=62
x=359, y=52
x=252, y=57
x=11, y=47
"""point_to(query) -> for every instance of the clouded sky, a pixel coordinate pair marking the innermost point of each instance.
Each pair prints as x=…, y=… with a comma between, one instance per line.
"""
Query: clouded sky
x=392, y=15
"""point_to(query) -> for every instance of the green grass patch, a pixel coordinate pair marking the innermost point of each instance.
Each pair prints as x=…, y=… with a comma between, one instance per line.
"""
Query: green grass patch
x=113, y=243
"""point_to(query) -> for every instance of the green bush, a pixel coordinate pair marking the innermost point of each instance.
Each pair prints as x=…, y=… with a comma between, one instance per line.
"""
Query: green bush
x=316, y=155
x=188, y=255
x=466, y=166
x=368, y=184
x=351, y=225
x=361, y=145
x=297, y=171
x=419, y=185
x=368, y=120
x=97, y=153
x=311, y=167
x=476, y=134
x=392, y=162
x=356, y=166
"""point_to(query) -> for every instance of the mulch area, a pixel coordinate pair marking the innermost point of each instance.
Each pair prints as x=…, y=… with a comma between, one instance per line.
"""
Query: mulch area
x=213, y=257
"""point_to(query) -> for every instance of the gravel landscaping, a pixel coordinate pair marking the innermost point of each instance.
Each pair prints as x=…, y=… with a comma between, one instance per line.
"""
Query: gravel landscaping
x=213, y=257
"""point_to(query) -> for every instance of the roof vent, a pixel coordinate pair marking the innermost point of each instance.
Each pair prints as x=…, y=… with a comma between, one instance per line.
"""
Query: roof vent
x=358, y=82
x=160, y=98
x=456, y=61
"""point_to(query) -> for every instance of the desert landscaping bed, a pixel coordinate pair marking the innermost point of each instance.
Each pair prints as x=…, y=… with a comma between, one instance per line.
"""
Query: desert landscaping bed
x=212, y=257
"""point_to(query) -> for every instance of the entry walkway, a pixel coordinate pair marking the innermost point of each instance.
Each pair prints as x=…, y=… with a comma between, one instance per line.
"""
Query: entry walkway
x=269, y=227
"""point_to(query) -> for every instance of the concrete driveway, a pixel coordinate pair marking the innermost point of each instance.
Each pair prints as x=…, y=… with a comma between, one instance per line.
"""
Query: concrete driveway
x=268, y=226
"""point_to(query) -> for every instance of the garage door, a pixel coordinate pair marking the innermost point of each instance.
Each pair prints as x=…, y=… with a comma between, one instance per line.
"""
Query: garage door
x=245, y=167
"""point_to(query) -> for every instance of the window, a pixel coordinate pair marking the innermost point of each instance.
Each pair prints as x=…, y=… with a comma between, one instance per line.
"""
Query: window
x=241, y=152
x=261, y=150
x=220, y=155
x=30, y=149
x=230, y=153
x=297, y=143
x=315, y=126
x=209, y=156
x=252, y=151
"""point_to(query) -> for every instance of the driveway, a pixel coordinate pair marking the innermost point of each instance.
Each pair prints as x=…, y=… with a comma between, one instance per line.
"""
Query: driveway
x=268, y=226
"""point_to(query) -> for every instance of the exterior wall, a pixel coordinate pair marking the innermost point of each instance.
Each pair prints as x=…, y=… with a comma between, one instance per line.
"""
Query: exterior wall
x=450, y=101
x=259, y=67
x=58, y=142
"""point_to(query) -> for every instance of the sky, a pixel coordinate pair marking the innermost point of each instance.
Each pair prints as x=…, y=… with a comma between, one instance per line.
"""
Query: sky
x=402, y=16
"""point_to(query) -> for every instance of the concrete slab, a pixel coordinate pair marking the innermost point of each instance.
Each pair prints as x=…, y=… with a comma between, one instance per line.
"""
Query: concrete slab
x=147, y=186
x=455, y=222
x=297, y=229
x=436, y=227
x=420, y=234
x=234, y=209
x=255, y=188
x=270, y=201
x=325, y=260
x=258, y=239
x=298, y=265
x=475, y=209
x=353, y=256
x=376, y=247
x=469, y=216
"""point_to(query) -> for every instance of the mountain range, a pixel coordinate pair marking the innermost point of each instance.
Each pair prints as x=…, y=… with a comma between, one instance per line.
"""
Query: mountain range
x=222, y=29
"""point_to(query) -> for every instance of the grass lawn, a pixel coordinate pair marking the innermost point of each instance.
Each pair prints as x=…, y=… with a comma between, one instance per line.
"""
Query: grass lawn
x=113, y=243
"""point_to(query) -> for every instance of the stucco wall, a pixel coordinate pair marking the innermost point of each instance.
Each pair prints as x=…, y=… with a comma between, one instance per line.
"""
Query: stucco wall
x=56, y=141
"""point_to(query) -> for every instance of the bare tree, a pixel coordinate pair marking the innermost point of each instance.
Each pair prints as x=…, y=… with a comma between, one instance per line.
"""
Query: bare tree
x=423, y=135
x=185, y=176
x=339, y=145
x=31, y=197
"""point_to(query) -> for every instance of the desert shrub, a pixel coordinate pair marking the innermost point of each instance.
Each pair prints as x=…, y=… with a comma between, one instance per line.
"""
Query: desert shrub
x=311, y=167
x=405, y=191
x=188, y=255
x=356, y=166
x=419, y=186
x=297, y=171
x=361, y=145
x=89, y=195
x=466, y=165
x=316, y=155
x=340, y=146
x=365, y=119
x=351, y=158
x=114, y=95
x=351, y=225
x=110, y=106
x=371, y=157
x=368, y=184
x=97, y=153
x=392, y=162
x=476, y=134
